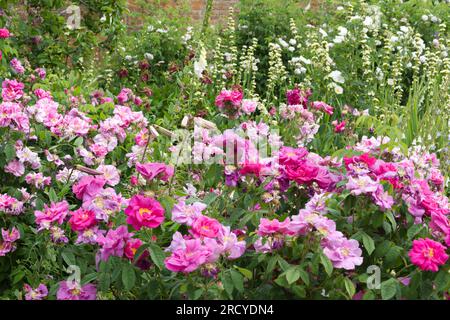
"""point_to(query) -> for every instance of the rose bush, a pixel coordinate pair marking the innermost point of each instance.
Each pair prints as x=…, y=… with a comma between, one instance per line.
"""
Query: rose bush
x=221, y=191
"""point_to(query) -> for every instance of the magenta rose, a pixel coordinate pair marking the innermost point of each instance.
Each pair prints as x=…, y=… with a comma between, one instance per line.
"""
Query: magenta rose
x=428, y=254
x=144, y=212
x=304, y=173
x=251, y=169
x=154, y=170
x=4, y=33
x=82, y=219
x=132, y=247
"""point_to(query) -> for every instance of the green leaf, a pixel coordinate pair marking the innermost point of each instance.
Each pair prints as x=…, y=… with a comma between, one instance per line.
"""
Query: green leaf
x=349, y=287
x=369, y=295
x=128, y=277
x=227, y=284
x=414, y=230
x=213, y=176
x=247, y=273
x=299, y=291
x=89, y=278
x=167, y=203
x=116, y=274
x=210, y=197
x=18, y=276
x=157, y=255
x=270, y=265
x=391, y=219
x=368, y=243
x=388, y=289
x=68, y=257
x=140, y=251
x=78, y=142
x=326, y=264
x=304, y=275
x=196, y=294
x=104, y=280
x=63, y=191
x=292, y=275
x=10, y=152
x=47, y=138
x=282, y=282
x=442, y=280
x=52, y=195
x=284, y=265
x=238, y=280
x=393, y=256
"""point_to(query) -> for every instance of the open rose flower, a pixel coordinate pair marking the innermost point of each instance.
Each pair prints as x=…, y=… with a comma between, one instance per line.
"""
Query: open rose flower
x=206, y=227
x=343, y=253
x=320, y=105
x=113, y=243
x=15, y=167
x=132, y=247
x=269, y=227
x=151, y=171
x=187, y=213
x=144, y=212
x=249, y=106
x=428, y=254
x=35, y=294
x=339, y=127
x=229, y=102
x=56, y=212
x=4, y=33
x=82, y=219
x=187, y=259
x=88, y=187
x=12, y=90
x=11, y=235
x=229, y=97
x=72, y=290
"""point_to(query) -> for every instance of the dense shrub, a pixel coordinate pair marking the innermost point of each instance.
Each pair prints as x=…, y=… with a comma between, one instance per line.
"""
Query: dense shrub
x=41, y=30
x=302, y=156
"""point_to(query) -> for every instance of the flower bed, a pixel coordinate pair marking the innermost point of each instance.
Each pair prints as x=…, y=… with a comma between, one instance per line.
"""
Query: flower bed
x=214, y=190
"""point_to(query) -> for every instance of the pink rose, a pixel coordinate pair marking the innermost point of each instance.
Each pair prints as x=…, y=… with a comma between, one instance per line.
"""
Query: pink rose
x=249, y=106
x=15, y=167
x=206, y=227
x=131, y=248
x=12, y=90
x=428, y=254
x=270, y=227
x=339, y=127
x=71, y=290
x=144, y=212
x=320, y=105
x=154, y=170
x=82, y=219
x=56, y=212
x=87, y=187
x=4, y=33
x=251, y=169
x=187, y=259
x=233, y=97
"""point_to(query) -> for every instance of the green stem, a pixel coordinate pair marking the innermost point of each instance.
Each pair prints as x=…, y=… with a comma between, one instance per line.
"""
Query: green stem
x=207, y=15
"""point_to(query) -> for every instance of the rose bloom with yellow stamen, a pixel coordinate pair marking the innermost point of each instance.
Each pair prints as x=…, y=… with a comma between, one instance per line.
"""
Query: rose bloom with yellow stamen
x=144, y=211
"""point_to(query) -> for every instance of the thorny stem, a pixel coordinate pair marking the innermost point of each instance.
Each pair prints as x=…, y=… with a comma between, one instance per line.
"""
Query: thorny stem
x=176, y=164
x=70, y=176
x=146, y=147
